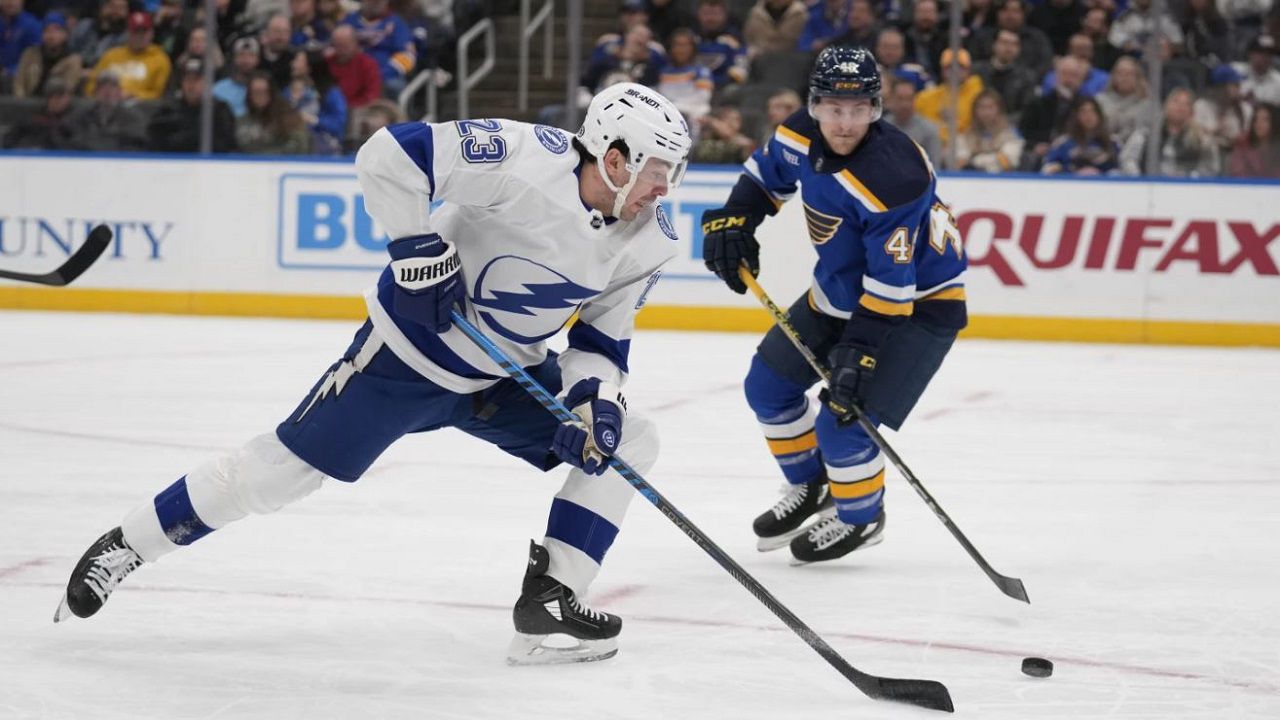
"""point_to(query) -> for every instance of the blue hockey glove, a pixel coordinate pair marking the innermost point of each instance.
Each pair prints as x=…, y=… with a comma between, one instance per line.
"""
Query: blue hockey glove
x=852, y=369
x=428, y=280
x=728, y=240
x=590, y=443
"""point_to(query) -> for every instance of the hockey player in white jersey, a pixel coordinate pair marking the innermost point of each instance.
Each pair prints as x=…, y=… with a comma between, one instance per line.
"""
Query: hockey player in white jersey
x=535, y=225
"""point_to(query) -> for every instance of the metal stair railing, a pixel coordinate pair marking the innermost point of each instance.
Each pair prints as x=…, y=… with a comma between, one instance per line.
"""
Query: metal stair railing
x=427, y=78
x=529, y=26
x=468, y=80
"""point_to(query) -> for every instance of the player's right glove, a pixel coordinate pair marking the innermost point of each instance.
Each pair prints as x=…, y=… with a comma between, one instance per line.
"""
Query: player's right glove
x=428, y=280
x=852, y=369
x=590, y=443
x=728, y=240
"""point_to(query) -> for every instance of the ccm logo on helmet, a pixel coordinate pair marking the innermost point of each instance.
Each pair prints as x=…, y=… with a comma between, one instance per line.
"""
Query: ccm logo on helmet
x=643, y=98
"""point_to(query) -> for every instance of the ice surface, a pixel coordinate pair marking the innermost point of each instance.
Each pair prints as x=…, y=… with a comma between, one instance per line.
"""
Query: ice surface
x=1135, y=490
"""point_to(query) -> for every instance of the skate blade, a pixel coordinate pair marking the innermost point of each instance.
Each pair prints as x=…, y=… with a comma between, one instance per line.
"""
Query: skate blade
x=797, y=562
x=64, y=610
x=777, y=542
x=558, y=649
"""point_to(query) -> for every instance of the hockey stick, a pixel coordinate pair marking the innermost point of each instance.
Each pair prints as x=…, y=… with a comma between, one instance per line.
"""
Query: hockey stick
x=1008, y=585
x=98, y=240
x=924, y=693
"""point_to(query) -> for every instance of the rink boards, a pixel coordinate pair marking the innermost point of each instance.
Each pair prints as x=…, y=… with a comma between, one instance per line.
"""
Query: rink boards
x=1062, y=259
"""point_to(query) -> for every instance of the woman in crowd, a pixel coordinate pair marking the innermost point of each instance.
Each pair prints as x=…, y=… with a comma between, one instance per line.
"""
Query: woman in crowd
x=1257, y=153
x=990, y=144
x=317, y=98
x=1125, y=102
x=269, y=126
x=1086, y=147
x=197, y=43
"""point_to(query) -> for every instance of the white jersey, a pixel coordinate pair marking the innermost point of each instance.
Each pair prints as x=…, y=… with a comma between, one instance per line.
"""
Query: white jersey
x=532, y=253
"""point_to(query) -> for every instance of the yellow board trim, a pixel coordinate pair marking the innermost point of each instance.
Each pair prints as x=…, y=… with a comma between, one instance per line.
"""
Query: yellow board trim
x=853, y=490
x=653, y=317
x=791, y=446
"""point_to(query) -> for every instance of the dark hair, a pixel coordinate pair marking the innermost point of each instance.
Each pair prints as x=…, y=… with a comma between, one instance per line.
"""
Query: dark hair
x=318, y=67
x=585, y=156
x=1077, y=132
x=1274, y=138
x=277, y=116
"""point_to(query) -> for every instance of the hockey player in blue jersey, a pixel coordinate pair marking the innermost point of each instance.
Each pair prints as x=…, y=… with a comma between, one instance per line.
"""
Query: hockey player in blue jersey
x=535, y=225
x=885, y=305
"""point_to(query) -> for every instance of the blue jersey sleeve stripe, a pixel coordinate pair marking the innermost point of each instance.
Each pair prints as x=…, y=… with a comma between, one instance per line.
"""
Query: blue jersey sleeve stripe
x=416, y=141
x=581, y=528
x=588, y=339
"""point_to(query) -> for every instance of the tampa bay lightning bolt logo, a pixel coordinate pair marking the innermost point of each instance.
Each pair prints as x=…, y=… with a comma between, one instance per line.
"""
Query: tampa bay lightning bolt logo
x=526, y=301
x=551, y=139
x=664, y=222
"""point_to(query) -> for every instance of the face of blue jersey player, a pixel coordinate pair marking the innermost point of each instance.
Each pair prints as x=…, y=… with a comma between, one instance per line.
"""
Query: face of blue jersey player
x=641, y=144
x=844, y=96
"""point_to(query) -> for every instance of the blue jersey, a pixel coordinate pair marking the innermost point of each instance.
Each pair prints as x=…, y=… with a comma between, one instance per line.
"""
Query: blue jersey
x=886, y=244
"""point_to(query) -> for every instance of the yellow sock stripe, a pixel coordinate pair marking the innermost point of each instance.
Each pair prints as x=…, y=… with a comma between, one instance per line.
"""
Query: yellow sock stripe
x=790, y=446
x=861, y=488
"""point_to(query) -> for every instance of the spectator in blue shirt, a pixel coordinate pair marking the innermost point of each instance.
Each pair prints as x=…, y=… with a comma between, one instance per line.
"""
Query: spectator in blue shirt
x=1086, y=147
x=233, y=88
x=826, y=22
x=388, y=39
x=18, y=31
x=1095, y=80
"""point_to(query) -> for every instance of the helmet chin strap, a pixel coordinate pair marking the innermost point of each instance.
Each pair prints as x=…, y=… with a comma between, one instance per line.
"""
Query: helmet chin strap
x=621, y=192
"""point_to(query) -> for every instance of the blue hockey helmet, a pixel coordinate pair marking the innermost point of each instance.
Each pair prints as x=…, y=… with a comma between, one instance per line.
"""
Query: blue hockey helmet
x=845, y=71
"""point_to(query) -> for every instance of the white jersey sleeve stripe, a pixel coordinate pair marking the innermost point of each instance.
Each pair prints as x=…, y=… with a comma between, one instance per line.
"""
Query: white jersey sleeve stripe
x=885, y=291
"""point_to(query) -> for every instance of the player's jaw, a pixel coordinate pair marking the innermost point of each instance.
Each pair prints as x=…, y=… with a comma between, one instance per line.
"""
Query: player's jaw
x=638, y=200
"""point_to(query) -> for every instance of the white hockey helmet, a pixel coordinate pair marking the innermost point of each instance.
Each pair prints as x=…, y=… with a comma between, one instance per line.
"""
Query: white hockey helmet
x=655, y=132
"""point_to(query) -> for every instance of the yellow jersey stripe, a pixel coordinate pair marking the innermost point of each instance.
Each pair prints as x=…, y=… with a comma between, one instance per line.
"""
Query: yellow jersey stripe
x=807, y=441
x=884, y=307
x=953, y=293
x=860, y=191
x=854, y=490
x=789, y=134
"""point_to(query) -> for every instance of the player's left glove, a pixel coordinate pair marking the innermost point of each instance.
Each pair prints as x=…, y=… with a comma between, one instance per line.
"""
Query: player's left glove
x=590, y=443
x=428, y=280
x=852, y=369
x=728, y=241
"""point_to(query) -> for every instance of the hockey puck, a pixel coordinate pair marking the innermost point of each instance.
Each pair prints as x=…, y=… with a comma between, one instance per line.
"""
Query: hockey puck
x=1037, y=667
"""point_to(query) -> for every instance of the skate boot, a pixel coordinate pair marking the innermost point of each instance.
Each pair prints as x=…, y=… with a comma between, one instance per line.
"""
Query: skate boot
x=100, y=570
x=552, y=624
x=833, y=538
x=790, y=517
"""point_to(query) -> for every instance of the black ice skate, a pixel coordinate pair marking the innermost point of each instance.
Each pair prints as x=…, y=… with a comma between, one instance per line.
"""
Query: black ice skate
x=790, y=517
x=833, y=538
x=100, y=570
x=553, y=626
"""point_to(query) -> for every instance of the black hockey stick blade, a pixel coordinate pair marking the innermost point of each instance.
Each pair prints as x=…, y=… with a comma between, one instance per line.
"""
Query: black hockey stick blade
x=93, y=247
x=929, y=694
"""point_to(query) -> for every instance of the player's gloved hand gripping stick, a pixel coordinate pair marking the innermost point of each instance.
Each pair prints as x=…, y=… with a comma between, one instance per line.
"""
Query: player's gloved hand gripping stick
x=1008, y=585
x=924, y=693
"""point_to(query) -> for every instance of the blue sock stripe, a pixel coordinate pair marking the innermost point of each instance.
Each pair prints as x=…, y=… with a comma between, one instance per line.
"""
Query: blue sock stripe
x=575, y=525
x=860, y=511
x=177, y=517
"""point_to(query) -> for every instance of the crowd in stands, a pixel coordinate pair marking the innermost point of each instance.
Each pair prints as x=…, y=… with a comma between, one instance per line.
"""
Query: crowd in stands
x=1051, y=86
x=1047, y=86
x=292, y=77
